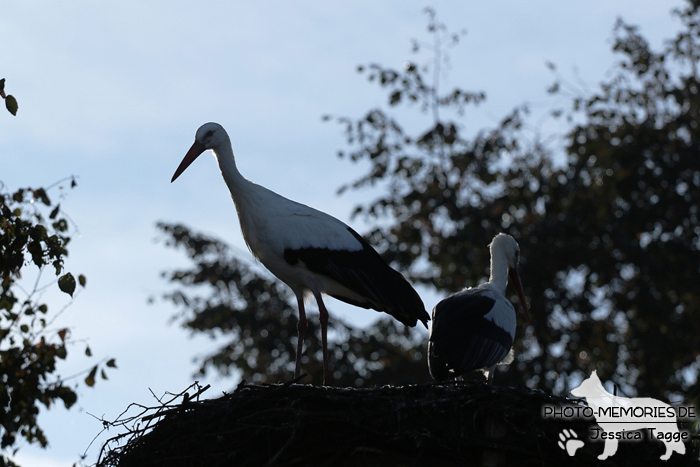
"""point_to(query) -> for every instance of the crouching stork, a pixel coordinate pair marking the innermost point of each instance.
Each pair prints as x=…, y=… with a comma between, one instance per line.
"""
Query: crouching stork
x=474, y=329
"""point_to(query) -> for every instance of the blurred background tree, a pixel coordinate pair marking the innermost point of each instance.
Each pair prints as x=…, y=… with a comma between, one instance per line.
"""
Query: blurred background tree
x=34, y=235
x=609, y=236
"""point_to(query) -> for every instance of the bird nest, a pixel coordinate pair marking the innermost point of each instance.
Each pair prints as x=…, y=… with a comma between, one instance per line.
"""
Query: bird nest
x=454, y=424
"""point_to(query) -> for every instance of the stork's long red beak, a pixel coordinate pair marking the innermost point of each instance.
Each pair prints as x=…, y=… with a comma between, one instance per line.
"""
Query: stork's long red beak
x=194, y=152
x=515, y=279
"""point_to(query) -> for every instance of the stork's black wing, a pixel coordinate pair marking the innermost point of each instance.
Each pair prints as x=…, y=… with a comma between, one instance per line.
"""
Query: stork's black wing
x=365, y=273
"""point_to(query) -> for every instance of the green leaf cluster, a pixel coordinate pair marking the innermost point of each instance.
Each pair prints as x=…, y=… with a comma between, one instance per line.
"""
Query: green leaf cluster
x=34, y=234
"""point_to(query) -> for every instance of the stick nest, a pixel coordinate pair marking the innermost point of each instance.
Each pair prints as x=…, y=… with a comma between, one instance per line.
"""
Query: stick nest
x=454, y=424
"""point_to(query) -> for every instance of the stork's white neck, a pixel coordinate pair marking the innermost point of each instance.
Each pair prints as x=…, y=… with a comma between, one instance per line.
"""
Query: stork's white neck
x=246, y=196
x=227, y=165
x=499, y=269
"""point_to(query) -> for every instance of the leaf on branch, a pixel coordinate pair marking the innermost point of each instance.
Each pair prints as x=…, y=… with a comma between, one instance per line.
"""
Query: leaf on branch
x=34, y=248
x=90, y=380
x=68, y=396
x=554, y=88
x=82, y=280
x=18, y=195
x=111, y=363
x=41, y=195
x=62, y=334
x=11, y=104
x=67, y=284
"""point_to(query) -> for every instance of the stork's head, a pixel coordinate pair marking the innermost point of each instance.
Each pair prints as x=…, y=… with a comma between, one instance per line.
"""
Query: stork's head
x=509, y=247
x=209, y=136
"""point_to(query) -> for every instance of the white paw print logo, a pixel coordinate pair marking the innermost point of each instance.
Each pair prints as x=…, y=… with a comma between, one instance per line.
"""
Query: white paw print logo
x=569, y=441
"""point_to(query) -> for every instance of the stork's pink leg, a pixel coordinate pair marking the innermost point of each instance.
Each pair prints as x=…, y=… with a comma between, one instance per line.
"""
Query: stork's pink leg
x=301, y=330
x=323, y=317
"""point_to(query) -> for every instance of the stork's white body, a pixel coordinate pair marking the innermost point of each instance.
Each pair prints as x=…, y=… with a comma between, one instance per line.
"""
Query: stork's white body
x=474, y=329
x=307, y=249
x=272, y=224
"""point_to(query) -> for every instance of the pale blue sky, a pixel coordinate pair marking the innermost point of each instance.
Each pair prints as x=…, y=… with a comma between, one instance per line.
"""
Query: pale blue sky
x=113, y=92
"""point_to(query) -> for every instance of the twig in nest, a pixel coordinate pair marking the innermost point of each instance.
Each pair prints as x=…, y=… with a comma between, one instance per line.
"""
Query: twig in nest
x=133, y=422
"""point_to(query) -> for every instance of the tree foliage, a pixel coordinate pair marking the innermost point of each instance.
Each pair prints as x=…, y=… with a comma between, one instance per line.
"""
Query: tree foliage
x=34, y=235
x=609, y=242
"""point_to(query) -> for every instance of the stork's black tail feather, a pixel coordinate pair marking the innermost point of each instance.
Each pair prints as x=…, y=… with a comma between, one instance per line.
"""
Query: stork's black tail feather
x=387, y=290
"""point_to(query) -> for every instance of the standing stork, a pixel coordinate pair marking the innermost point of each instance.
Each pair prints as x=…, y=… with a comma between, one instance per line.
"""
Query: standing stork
x=474, y=329
x=310, y=251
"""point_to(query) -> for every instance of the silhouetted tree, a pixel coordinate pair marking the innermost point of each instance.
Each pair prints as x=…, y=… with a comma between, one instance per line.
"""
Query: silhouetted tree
x=609, y=242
